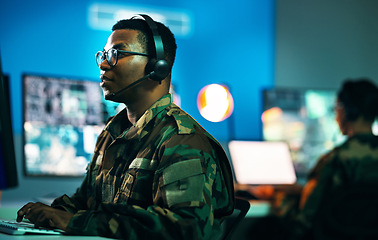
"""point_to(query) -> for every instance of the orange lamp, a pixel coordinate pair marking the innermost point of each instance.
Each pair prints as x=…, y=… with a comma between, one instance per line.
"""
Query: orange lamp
x=215, y=102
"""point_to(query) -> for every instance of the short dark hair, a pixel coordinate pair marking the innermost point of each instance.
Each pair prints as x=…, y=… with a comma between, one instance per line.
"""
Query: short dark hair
x=145, y=37
x=359, y=98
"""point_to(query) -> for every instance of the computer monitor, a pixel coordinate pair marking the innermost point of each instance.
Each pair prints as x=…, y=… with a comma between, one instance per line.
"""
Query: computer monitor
x=8, y=170
x=63, y=117
x=262, y=163
x=305, y=120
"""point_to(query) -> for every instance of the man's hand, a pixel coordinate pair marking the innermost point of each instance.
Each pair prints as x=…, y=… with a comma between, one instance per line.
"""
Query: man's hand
x=44, y=216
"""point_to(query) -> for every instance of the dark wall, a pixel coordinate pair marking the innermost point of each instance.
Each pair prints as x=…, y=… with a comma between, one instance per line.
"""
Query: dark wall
x=320, y=43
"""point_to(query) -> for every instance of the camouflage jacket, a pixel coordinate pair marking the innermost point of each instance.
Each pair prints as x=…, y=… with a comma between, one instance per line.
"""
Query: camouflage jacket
x=163, y=178
x=355, y=161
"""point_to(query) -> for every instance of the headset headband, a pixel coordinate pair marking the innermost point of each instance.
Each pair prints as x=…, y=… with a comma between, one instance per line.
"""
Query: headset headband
x=157, y=69
x=159, y=48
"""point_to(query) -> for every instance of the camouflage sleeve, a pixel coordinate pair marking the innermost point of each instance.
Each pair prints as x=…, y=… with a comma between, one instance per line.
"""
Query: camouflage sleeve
x=70, y=204
x=189, y=190
x=133, y=222
x=80, y=199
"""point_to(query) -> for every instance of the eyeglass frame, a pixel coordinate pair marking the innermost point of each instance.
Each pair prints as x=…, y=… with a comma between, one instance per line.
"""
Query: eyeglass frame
x=105, y=54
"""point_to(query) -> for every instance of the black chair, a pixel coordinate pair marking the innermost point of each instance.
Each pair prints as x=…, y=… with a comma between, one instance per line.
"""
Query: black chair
x=229, y=225
x=349, y=213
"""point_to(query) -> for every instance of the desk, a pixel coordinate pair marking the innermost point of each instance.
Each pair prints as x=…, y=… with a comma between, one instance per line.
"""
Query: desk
x=259, y=208
x=9, y=213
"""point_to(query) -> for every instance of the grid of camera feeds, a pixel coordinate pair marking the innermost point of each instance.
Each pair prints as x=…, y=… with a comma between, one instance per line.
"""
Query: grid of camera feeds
x=62, y=120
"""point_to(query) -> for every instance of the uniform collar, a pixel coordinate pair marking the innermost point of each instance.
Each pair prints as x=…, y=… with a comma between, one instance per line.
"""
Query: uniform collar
x=121, y=125
x=156, y=108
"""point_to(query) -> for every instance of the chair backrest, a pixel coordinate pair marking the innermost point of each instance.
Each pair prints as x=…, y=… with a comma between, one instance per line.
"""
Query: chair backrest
x=241, y=209
x=349, y=213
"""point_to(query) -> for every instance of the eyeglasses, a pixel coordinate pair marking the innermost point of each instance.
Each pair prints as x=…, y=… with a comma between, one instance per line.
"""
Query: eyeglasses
x=112, y=55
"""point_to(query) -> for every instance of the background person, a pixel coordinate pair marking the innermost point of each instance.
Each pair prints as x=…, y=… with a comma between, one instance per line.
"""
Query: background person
x=354, y=161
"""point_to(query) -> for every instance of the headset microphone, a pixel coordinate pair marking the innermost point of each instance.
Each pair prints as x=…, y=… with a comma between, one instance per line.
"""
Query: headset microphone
x=113, y=96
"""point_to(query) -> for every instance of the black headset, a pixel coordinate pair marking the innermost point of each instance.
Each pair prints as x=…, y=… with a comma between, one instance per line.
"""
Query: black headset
x=157, y=69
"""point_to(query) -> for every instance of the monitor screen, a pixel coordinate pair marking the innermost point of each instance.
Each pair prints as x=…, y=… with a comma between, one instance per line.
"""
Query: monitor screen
x=304, y=119
x=261, y=163
x=62, y=120
x=8, y=170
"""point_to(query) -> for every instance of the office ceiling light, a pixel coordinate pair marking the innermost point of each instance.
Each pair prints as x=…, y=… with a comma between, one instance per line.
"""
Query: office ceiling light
x=215, y=102
x=102, y=16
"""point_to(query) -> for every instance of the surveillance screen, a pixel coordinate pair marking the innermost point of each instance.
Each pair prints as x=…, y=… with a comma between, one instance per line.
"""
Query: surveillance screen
x=62, y=120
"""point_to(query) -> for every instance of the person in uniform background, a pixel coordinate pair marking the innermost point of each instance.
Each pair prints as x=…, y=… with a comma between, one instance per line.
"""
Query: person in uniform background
x=155, y=173
x=354, y=161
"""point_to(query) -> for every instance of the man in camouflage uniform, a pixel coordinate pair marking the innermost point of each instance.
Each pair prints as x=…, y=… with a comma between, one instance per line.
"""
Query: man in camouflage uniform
x=353, y=162
x=156, y=173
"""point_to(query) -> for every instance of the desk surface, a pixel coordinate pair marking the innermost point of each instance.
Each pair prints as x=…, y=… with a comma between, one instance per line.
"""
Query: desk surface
x=9, y=213
x=258, y=209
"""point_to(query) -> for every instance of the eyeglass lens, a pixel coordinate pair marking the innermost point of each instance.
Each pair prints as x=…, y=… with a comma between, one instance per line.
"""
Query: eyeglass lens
x=110, y=55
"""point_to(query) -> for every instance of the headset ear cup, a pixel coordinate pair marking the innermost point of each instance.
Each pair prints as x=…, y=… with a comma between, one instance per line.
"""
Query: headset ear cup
x=158, y=70
x=150, y=66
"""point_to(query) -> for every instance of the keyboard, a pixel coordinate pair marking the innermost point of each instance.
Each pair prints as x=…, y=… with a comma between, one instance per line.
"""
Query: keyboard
x=20, y=228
